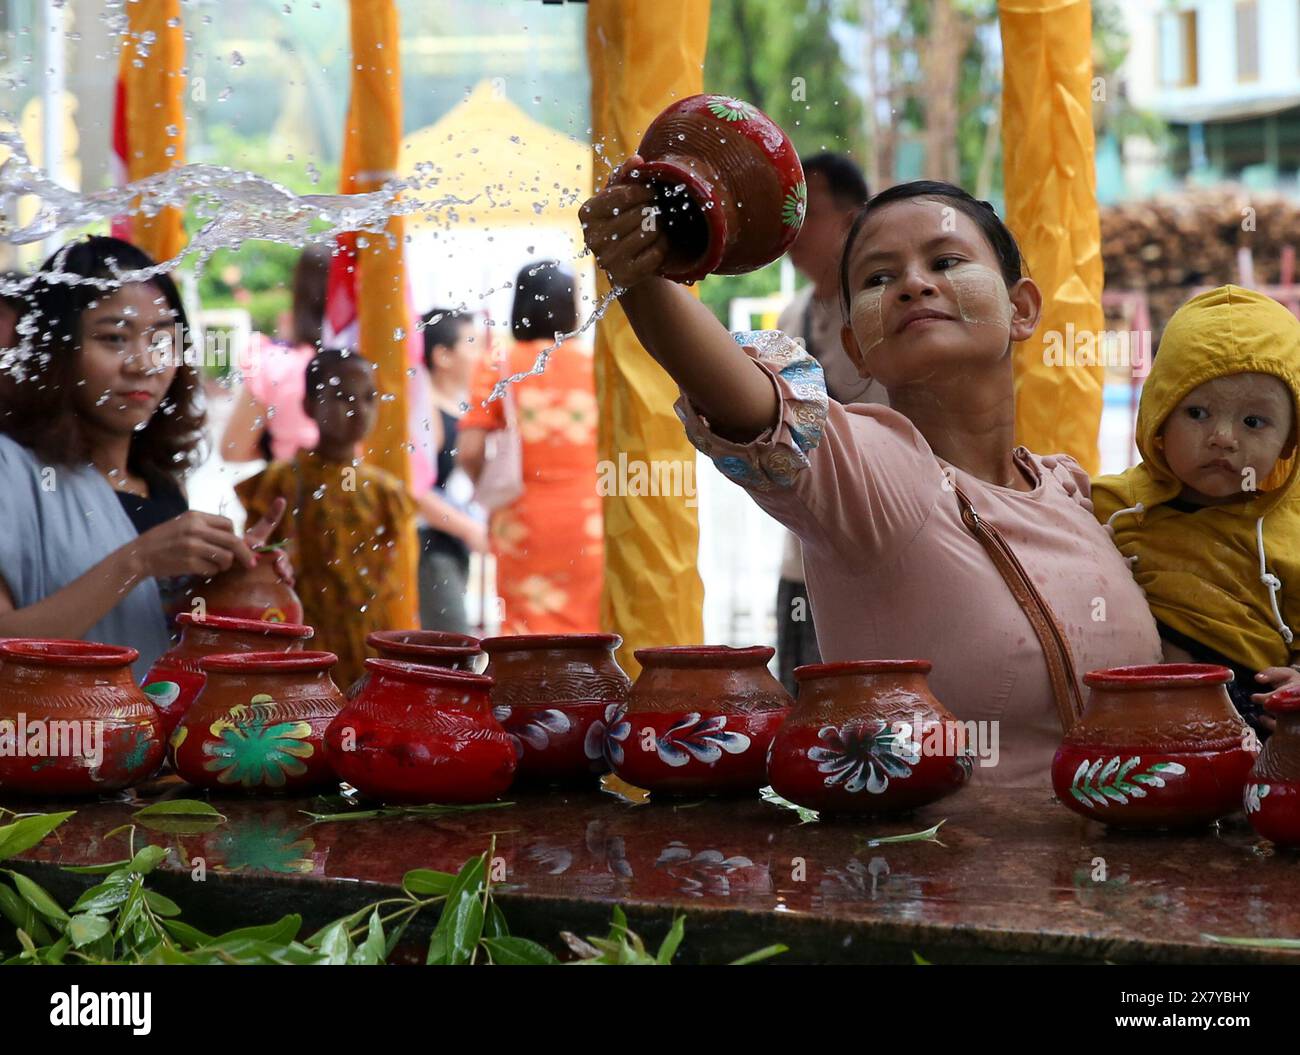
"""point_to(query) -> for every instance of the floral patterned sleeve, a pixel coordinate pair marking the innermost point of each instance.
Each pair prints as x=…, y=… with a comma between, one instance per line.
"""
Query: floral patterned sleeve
x=854, y=483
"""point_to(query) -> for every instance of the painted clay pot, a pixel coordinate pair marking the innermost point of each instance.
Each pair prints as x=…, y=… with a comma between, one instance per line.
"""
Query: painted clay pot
x=258, y=723
x=555, y=695
x=699, y=721
x=1157, y=747
x=72, y=719
x=728, y=186
x=1272, y=794
x=425, y=648
x=176, y=676
x=421, y=734
x=867, y=737
x=250, y=593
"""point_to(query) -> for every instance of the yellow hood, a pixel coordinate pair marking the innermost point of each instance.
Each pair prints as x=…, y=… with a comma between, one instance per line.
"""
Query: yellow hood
x=1201, y=571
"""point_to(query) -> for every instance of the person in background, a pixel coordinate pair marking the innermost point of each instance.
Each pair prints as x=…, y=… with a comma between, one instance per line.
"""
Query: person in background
x=449, y=532
x=99, y=422
x=268, y=420
x=548, y=542
x=836, y=191
x=344, y=518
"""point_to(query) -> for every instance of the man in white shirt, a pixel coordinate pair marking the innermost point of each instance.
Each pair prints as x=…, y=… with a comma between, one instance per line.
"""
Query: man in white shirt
x=836, y=190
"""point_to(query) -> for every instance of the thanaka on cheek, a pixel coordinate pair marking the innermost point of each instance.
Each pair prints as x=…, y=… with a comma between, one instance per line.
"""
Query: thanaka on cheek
x=866, y=318
x=980, y=295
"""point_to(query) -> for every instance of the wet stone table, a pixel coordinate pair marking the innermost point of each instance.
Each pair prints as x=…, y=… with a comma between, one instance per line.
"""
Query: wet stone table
x=1015, y=878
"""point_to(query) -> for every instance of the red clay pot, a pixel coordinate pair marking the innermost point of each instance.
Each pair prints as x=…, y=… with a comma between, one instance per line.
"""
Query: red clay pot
x=176, y=676
x=728, y=185
x=251, y=593
x=699, y=721
x=258, y=723
x=72, y=719
x=424, y=648
x=1157, y=747
x=555, y=694
x=867, y=737
x=421, y=734
x=1272, y=795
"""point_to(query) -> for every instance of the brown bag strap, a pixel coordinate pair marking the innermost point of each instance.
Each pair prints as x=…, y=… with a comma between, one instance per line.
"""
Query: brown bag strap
x=1056, y=648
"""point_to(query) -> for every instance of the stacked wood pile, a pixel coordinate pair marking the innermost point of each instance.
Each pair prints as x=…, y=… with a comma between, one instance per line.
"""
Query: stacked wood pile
x=1170, y=245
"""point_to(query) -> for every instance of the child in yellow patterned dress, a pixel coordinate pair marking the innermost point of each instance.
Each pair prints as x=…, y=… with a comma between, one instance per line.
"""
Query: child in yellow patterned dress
x=345, y=518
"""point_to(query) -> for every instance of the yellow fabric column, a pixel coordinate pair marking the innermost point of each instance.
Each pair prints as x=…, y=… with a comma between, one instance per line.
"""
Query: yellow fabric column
x=642, y=56
x=1051, y=195
x=374, y=135
x=155, y=102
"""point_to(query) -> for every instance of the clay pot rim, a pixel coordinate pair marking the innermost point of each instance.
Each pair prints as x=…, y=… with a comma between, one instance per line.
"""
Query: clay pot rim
x=67, y=652
x=444, y=676
x=299, y=631
x=813, y=671
x=1145, y=677
x=697, y=656
x=535, y=642
x=701, y=191
x=1284, y=701
x=388, y=641
x=268, y=662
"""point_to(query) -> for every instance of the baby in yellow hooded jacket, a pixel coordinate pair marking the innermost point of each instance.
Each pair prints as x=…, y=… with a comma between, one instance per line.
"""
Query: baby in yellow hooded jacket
x=1210, y=518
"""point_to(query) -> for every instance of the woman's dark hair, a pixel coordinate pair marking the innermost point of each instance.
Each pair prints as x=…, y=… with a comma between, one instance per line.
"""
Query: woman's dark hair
x=310, y=279
x=847, y=184
x=442, y=329
x=326, y=361
x=37, y=387
x=986, y=218
x=545, y=302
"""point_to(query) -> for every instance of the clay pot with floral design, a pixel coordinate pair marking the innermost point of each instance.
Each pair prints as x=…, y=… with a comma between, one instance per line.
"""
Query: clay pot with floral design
x=699, y=721
x=177, y=676
x=1158, y=746
x=258, y=723
x=72, y=719
x=728, y=186
x=868, y=737
x=424, y=648
x=250, y=593
x=421, y=734
x=1272, y=794
x=555, y=695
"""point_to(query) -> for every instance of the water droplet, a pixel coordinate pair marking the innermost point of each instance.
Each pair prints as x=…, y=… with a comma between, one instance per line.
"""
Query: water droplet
x=226, y=93
x=236, y=59
x=319, y=493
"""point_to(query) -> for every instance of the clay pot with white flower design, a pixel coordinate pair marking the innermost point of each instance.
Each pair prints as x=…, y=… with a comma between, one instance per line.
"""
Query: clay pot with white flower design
x=175, y=679
x=868, y=737
x=699, y=721
x=728, y=186
x=418, y=734
x=424, y=648
x=555, y=694
x=258, y=724
x=1272, y=793
x=1158, y=746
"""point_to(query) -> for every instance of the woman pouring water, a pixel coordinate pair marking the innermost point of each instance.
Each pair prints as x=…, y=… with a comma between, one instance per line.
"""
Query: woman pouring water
x=99, y=421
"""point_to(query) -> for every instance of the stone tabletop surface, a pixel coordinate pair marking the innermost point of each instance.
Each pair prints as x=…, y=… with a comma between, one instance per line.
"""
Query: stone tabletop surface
x=1012, y=877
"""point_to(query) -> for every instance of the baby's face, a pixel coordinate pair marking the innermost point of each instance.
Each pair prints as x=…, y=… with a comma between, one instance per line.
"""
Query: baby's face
x=1227, y=434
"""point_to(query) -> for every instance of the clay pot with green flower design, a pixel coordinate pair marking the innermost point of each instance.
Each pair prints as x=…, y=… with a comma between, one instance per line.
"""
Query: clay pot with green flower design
x=868, y=737
x=728, y=186
x=698, y=721
x=72, y=719
x=1158, y=746
x=258, y=723
x=175, y=679
x=1272, y=795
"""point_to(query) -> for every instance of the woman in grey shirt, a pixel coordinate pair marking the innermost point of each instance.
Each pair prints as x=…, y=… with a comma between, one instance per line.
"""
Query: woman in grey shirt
x=99, y=421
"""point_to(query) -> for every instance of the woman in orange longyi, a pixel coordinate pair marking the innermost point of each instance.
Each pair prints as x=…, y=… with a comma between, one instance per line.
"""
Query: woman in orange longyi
x=548, y=542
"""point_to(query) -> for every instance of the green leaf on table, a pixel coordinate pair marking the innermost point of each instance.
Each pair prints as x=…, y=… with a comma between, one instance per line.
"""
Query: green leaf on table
x=919, y=960
x=806, y=816
x=1254, y=943
x=765, y=953
x=56, y=952
x=282, y=930
x=494, y=921
x=371, y=951
x=432, y=809
x=930, y=835
x=185, y=934
x=96, y=870
x=179, y=808
x=22, y=915
x=427, y=883
x=160, y=905
x=147, y=860
x=335, y=945
x=85, y=928
x=105, y=897
x=26, y=832
x=669, y=947
x=461, y=924
x=517, y=952
x=36, y=896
